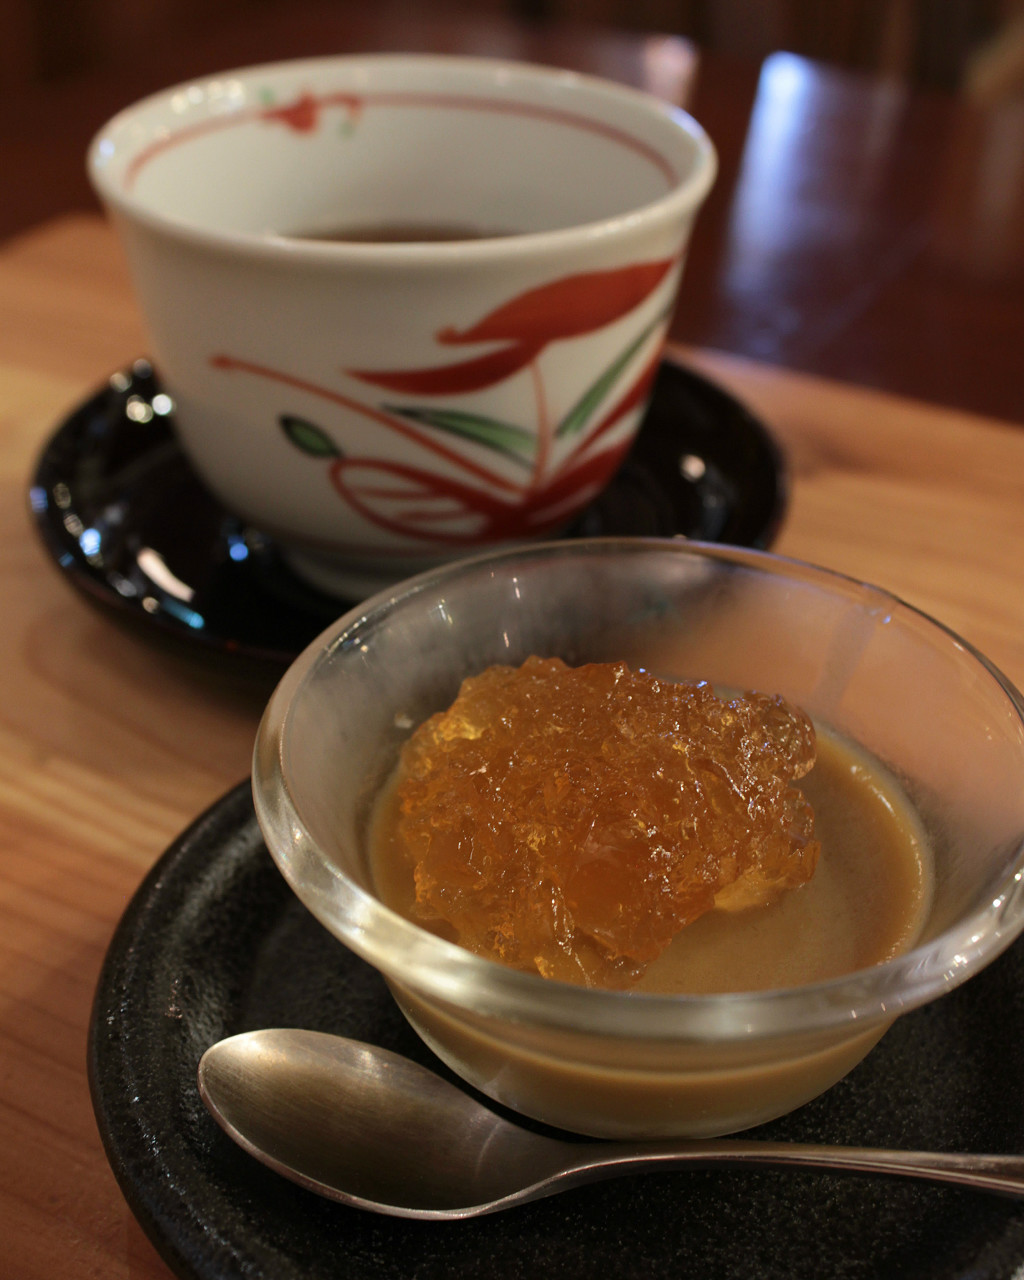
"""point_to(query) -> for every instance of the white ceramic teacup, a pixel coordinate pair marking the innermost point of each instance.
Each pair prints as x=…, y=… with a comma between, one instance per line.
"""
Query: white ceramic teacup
x=382, y=404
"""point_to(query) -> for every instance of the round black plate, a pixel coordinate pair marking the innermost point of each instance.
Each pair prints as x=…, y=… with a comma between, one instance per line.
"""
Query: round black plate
x=215, y=943
x=123, y=514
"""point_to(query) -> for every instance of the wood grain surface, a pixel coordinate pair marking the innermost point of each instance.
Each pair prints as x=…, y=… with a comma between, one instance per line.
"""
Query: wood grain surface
x=110, y=745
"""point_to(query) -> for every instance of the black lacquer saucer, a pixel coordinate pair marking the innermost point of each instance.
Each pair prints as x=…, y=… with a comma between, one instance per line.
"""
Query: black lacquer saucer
x=215, y=943
x=127, y=520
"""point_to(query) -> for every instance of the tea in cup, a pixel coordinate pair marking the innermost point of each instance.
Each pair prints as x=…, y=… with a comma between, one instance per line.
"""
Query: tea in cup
x=406, y=307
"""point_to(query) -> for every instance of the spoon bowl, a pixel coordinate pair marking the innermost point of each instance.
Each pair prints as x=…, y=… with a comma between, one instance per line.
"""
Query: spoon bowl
x=369, y=1128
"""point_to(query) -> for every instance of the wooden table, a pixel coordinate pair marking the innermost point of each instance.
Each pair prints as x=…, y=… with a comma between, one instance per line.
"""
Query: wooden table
x=111, y=745
x=858, y=229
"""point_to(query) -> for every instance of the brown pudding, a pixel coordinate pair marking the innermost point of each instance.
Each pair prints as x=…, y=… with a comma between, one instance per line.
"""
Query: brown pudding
x=866, y=903
x=605, y=827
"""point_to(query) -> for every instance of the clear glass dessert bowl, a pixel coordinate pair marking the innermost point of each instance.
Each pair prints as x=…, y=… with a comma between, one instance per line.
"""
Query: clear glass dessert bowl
x=928, y=707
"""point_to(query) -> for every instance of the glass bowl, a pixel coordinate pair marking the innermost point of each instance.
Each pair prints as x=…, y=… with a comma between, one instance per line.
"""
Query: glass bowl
x=936, y=714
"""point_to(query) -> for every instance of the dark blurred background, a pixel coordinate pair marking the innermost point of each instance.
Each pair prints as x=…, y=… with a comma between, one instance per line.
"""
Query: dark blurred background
x=867, y=223
x=939, y=44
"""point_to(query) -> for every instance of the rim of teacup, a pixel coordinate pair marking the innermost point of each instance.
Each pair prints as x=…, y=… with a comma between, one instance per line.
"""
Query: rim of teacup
x=124, y=134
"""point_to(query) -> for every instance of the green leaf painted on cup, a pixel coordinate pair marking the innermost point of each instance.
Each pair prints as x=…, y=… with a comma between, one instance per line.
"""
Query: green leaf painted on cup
x=503, y=437
x=585, y=407
x=308, y=437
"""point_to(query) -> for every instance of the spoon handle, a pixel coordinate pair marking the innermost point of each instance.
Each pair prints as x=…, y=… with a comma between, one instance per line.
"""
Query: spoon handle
x=999, y=1173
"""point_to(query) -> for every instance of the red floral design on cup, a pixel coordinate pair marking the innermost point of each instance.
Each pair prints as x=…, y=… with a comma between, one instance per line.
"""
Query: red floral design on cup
x=488, y=506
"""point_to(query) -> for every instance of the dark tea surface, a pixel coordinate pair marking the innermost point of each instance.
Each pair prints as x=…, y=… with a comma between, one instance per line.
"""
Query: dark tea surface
x=401, y=233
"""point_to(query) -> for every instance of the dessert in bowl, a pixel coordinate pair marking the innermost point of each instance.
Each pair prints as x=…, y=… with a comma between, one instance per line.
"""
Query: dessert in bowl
x=935, y=733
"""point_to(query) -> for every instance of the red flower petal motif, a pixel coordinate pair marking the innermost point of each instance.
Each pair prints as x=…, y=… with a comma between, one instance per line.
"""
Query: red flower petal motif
x=431, y=508
x=570, y=489
x=386, y=419
x=419, y=504
x=303, y=115
x=565, y=308
x=469, y=375
x=631, y=399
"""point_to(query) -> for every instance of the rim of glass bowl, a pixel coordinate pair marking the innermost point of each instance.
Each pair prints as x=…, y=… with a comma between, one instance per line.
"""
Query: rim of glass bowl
x=444, y=971
x=685, y=197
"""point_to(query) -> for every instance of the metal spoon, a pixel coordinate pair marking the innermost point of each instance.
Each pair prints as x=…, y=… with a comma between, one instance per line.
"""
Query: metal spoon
x=362, y=1125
